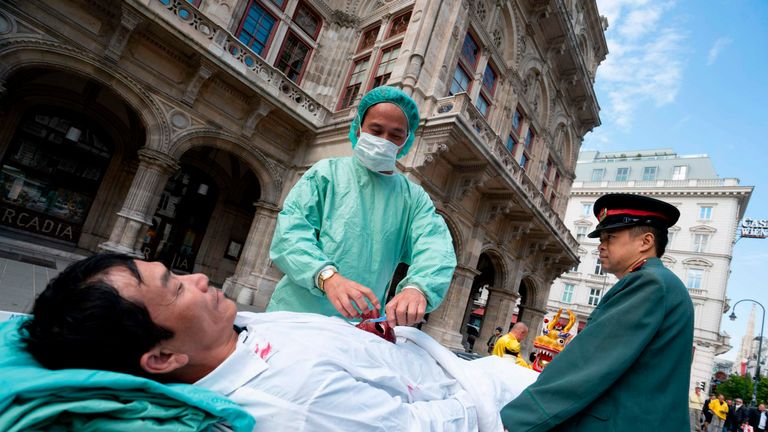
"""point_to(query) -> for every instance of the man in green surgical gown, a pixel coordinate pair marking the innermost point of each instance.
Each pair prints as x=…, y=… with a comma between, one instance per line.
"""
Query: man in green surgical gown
x=348, y=223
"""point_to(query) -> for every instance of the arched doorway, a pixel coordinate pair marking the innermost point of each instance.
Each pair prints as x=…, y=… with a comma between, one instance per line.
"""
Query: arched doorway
x=526, y=300
x=181, y=219
x=478, y=297
x=204, y=213
x=51, y=172
x=67, y=155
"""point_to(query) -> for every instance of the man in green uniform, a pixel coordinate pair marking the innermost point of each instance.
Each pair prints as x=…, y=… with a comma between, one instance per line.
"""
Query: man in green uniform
x=348, y=223
x=629, y=368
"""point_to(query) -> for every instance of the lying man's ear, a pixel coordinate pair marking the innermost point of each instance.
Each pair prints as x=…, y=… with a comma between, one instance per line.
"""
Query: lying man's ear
x=159, y=361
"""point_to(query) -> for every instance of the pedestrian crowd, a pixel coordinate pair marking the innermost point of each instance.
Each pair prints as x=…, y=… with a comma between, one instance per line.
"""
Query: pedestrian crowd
x=718, y=414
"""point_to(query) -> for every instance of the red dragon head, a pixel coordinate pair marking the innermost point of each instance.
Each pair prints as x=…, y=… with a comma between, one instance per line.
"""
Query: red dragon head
x=549, y=344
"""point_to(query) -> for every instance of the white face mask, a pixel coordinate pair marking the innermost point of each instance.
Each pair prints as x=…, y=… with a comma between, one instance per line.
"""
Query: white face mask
x=376, y=153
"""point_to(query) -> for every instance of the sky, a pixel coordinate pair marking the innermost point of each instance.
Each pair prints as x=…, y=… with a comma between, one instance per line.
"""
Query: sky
x=692, y=75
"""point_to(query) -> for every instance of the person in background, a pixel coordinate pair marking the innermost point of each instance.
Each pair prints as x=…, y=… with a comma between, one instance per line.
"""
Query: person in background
x=695, y=401
x=348, y=223
x=758, y=418
x=719, y=408
x=492, y=340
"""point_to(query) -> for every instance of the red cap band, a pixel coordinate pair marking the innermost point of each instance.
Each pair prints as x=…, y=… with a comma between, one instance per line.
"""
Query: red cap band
x=631, y=212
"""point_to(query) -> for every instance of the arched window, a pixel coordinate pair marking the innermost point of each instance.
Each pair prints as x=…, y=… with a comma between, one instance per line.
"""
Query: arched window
x=51, y=172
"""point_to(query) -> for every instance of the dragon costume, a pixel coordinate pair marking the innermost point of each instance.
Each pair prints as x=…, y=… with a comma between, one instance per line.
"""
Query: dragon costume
x=552, y=341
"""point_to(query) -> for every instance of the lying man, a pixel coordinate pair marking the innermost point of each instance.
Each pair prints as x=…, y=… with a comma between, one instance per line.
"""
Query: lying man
x=291, y=371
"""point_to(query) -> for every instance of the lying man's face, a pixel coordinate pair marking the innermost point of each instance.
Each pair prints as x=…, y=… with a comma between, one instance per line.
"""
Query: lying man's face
x=200, y=316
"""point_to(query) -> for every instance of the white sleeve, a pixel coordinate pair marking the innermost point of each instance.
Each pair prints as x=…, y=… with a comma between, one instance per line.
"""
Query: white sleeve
x=344, y=403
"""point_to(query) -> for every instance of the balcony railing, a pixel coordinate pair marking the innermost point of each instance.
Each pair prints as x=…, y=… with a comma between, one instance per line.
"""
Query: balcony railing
x=221, y=44
x=701, y=183
x=461, y=106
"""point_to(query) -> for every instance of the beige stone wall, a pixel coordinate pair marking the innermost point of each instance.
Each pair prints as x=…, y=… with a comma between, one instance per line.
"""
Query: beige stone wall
x=179, y=75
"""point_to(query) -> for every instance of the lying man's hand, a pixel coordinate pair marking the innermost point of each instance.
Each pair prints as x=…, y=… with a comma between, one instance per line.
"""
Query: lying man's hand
x=344, y=293
x=406, y=308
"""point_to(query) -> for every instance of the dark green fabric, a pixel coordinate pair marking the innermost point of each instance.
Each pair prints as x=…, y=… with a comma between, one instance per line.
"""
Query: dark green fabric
x=627, y=370
x=35, y=398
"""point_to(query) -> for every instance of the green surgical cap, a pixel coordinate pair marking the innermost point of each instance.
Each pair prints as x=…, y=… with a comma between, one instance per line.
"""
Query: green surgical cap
x=392, y=95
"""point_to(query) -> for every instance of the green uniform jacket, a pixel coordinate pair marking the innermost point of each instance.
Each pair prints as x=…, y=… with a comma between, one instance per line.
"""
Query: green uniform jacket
x=627, y=370
x=365, y=224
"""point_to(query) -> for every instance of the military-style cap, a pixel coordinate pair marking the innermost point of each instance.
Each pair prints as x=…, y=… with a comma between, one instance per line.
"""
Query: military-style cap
x=628, y=210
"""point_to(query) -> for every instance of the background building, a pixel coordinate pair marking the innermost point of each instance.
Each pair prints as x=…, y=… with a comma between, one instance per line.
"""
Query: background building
x=172, y=130
x=700, y=244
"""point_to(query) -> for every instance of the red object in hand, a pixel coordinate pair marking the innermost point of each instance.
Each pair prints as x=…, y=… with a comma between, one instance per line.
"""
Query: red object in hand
x=380, y=329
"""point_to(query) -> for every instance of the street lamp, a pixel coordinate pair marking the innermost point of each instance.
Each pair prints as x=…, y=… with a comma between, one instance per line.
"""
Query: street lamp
x=732, y=316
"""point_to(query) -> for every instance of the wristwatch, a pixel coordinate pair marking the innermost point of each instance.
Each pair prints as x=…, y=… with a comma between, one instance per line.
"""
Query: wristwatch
x=324, y=275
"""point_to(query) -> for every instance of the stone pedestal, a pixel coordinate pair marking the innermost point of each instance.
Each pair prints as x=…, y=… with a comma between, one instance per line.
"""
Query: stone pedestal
x=445, y=322
x=254, y=280
x=140, y=203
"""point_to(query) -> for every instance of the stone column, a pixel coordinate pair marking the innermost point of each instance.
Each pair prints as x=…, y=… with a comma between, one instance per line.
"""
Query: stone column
x=534, y=320
x=498, y=313
x=445, y=322
x=136, y=214
x=254, y=280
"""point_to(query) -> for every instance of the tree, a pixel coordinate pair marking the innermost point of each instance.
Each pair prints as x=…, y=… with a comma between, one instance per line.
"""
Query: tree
x=737, y=386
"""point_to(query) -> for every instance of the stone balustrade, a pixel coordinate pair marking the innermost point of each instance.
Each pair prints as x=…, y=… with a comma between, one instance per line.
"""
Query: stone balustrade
x=460, y=105
x=226, y=47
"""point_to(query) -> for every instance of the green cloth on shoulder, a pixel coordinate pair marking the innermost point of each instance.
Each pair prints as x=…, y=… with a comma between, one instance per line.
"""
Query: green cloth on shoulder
x=35, y=398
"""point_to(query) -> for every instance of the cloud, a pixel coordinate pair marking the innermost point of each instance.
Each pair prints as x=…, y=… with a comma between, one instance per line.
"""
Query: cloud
x=717, y=48
x=644, y=66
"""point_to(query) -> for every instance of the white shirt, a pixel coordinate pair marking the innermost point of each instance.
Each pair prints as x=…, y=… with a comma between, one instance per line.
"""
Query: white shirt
x=307, y=372
x=763, y=419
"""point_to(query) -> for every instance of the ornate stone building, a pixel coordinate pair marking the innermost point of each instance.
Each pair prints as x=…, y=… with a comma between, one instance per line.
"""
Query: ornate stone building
x=172, y=129
x=700, y=245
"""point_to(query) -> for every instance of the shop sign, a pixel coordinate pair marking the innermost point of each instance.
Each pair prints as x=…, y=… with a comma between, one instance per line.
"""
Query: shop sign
x=38, y=223
x=754, y=228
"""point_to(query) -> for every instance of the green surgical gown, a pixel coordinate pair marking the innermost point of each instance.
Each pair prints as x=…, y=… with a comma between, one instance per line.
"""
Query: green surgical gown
x=364, y=224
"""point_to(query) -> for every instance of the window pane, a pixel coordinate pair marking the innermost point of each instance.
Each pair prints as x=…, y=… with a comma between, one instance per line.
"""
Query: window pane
x=649, y=173
x=597, y=174
x=482, y=105
x=700, y=242
x=705, y=212
x=307, y=20
x=529, y=138
x=469, y=51
x=399, y=25
x=694, y=278
x=489, y=79
x=257, y=27
x=679, y=172
x=599, y=268
x=279, y=3
x=586, y=209
x=386, y=64
x=622, y=174
x=368, y=38
x=567, y=293
x=594, y=296
x=460, y=81
x=517, y=121
x=581, y=233
x=291, y=60
x=511, y=143
x=524, y=160
x=355, y=81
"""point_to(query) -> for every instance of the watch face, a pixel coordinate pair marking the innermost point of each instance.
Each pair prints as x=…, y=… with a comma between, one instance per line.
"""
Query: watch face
x=326, y=274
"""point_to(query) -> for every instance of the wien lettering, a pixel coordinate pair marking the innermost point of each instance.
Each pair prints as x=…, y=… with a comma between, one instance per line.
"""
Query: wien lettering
x=37, y=224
